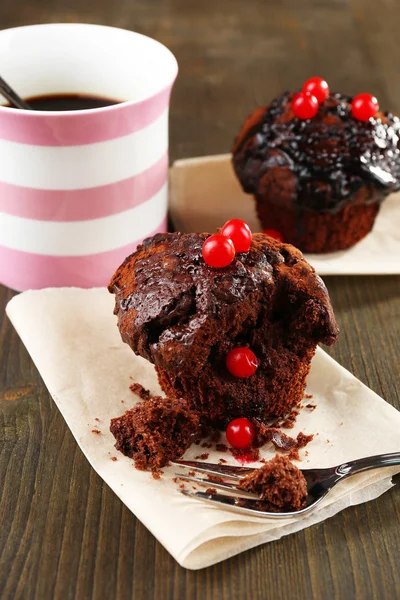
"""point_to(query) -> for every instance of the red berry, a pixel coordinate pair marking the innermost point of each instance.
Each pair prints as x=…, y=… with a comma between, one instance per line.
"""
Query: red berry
x=240, y=433
x=317, y=87
x=241, y=362
x=364, y=106
x=218, y=251
x=239, y=232
x=274, y=233
x=304, y=105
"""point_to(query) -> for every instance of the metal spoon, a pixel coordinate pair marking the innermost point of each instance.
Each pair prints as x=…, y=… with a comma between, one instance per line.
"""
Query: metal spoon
x=12, y=96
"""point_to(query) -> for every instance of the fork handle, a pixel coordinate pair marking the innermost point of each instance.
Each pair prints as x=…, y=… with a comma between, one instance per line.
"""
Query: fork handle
x=366, y=464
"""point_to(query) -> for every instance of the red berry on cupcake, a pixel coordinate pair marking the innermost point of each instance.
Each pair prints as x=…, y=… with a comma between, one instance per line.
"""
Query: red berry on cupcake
x=318, y=87
x=240, y=433
x=241, y=362
x=274, y=233
x=240, y=233
x=218, y=251
x=304, y=105
x=364, y=106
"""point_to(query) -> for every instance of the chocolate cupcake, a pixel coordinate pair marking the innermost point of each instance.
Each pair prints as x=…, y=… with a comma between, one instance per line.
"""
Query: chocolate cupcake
x=187, y=317
x=319, y=181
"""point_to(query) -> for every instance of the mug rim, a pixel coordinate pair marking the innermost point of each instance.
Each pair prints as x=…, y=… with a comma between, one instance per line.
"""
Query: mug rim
x=103, y=109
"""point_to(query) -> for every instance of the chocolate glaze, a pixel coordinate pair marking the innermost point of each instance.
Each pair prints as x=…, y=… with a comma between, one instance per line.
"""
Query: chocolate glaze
x=320, y=163
x=168, y=299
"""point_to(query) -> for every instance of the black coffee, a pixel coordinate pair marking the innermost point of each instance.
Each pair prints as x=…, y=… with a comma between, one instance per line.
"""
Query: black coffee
x=69, y=102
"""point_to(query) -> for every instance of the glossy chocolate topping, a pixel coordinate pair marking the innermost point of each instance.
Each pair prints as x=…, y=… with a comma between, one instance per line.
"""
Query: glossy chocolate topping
x=320, y=163
x=172, y=307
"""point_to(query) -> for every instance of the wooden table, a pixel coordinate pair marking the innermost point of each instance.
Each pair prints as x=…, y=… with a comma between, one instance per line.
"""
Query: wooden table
x=63, y=533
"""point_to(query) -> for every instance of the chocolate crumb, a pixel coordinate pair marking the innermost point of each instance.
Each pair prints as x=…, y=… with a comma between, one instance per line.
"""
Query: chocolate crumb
x=215, y=478
x=96, y=431
x=311, y=406
x=308, y=396
x=221, y=448
x=156, y=473
x=191, y=473
x=140, y=391
x=96, y=419
x=211, y=490
x=206, y=445
x=113, y=458
x=222, y=461
x=202, y=456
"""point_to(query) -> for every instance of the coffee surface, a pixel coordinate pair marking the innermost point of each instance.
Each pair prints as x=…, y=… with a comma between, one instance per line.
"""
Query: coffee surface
x=54, y=102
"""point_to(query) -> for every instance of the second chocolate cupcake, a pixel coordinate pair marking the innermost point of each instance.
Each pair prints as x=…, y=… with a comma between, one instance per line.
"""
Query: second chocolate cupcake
x=319, y=181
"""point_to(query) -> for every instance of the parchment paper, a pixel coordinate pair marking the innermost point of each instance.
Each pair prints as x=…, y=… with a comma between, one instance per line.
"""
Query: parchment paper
x=72, y=337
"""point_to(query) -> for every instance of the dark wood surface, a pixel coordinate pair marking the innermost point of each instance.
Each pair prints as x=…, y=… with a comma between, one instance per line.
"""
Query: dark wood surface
x=63, y=533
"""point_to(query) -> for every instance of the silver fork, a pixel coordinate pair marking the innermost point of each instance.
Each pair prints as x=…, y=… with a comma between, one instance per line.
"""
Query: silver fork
x=319, y=483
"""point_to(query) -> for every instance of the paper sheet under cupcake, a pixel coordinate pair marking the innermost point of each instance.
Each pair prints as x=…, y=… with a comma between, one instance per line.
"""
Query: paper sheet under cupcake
x=72, y=337
x=205, y=193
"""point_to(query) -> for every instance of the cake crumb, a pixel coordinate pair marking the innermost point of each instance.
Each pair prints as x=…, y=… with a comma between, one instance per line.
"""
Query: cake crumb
x=215, y=478
x=140, y=391
x=122, y=401
x=113, y=458
x=222, y=461
x=290, y=420
x=96, y=431
x=202, y=456
x=206, y=445
x=96, y=419
x=211, y=490
x=156, y=473
x=308, y=396
x=311, y=406
x=182, y=486
x=221, y=448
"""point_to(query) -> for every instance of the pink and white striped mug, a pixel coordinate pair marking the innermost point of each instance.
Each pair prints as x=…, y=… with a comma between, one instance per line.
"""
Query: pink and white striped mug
x=80, y=189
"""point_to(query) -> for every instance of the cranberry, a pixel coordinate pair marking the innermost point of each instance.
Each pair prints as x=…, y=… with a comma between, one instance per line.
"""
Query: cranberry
x=240, y=433
x=239, y=232
x=317, y=87
x=304, y=105
x=241, y=362
x=274, y=233
x=364, y=106
x=218, y=251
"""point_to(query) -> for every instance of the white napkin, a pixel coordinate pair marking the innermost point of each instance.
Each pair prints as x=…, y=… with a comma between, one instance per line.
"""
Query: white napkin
x=72, y=337
x=205, y=193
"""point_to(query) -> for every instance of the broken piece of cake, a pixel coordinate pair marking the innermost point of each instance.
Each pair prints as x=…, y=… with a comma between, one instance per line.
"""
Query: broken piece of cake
x=155, y=431
x=279, y=483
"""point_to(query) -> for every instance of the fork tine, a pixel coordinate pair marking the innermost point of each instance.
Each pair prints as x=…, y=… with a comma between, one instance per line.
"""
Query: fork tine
x=229, y=487
x=214, y=469
x=246, y=506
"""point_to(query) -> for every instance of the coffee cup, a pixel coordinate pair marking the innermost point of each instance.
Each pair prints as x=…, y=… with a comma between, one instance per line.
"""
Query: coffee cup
x=80, y=189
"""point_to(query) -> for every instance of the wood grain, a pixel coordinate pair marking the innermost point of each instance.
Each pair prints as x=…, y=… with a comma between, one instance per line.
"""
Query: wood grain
x=63, y=533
